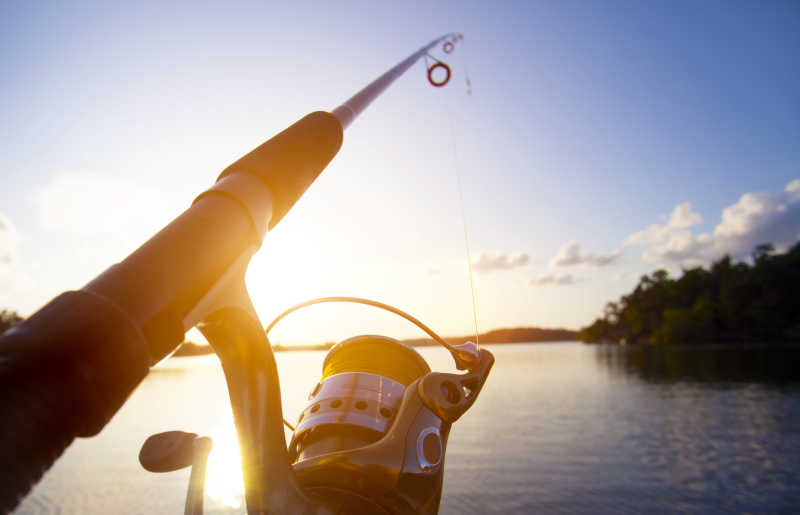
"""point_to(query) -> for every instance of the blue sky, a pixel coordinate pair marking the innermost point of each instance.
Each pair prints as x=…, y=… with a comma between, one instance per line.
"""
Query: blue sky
x=590, y=127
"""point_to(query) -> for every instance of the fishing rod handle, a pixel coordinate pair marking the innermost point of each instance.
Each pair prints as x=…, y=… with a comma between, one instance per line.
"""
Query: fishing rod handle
x=305, y=148
x=63, y=373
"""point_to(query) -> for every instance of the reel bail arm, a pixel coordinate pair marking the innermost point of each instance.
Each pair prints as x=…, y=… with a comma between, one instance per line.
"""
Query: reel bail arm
x=450, y=395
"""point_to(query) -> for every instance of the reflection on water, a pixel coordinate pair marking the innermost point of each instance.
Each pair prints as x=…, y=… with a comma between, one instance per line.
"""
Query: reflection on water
x=558, y=428
x=705, y=363
x=224, y=481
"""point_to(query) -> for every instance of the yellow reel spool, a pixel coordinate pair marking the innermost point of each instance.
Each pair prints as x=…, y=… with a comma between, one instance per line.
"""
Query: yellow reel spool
x=378, y=355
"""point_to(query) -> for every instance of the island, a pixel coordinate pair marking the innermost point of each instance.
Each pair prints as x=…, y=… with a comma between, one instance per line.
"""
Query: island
x=510, y=335
x=494, y=337
x=730, y=302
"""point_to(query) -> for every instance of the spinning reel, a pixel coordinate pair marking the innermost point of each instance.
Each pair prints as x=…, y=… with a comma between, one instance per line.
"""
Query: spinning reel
x=373, y=436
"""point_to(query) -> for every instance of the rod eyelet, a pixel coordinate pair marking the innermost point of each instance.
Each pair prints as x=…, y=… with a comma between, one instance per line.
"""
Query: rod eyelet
x=442, y=82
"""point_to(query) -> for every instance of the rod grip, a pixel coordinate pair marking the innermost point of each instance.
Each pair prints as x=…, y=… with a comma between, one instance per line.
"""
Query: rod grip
x=290, y=161
x=63, y=373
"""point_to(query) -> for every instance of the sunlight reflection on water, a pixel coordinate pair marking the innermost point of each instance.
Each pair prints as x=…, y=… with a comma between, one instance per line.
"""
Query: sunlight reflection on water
x=224, y=483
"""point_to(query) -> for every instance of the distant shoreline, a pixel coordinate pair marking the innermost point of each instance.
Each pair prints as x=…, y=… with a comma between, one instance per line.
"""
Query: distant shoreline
x=494, y=337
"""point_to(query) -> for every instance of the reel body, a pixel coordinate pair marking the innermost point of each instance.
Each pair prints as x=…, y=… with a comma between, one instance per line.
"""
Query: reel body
x=373, y=436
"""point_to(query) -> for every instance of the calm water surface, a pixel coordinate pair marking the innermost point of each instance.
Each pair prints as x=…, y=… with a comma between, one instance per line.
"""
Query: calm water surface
x=559, y=428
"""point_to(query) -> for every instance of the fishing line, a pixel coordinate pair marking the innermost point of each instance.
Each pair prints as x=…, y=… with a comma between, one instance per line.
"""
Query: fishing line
x=457, y=166
x=466, y=71
x=448, y=48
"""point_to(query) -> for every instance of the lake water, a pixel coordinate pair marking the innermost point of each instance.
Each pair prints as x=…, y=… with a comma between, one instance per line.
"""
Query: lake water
x=558, y=428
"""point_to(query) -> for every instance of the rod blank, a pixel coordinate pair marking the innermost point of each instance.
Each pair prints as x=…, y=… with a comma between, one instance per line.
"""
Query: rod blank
x=348, y=111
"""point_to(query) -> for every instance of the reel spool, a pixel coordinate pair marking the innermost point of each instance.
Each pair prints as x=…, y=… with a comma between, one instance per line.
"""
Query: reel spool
x=373, y=436
x=358, y=396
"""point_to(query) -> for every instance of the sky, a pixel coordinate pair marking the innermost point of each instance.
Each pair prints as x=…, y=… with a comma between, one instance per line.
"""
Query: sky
x=601, y=141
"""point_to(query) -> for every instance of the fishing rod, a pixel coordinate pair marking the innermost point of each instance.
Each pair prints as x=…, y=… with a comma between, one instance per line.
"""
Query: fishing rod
x=374, y=434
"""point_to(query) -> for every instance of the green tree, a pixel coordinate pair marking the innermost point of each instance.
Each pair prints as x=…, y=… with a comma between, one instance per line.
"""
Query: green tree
x=726, y=302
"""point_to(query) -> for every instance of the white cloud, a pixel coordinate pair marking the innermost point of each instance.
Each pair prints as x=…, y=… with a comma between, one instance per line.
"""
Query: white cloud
x=758, y=218
x=680, y=247
x=681, y=217
x=553, y=280
x=487, y=263
x=571, y=254
x=754, y=219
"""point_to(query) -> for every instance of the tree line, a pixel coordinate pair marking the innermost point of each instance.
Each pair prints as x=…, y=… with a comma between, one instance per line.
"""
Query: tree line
x=509, y=335
x=8, y=318
x=728, y=302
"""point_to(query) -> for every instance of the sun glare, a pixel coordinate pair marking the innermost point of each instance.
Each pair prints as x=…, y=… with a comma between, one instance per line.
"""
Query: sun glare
x=224, y=483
